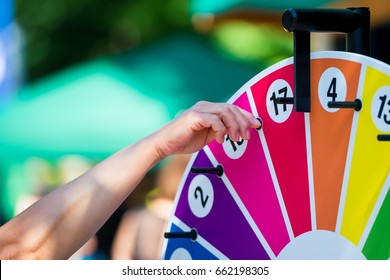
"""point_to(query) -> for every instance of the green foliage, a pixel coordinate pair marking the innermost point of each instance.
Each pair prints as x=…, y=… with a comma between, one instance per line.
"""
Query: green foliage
x=258, y=44
x=62, y=32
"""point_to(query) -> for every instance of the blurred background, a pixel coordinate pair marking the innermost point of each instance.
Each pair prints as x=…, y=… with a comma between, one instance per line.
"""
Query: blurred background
x=81, y=79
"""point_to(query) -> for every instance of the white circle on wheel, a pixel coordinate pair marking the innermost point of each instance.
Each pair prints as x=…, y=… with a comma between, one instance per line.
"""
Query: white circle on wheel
x=234, y=150
x=279, y=112
x=201, y=196
x=181, y=254
x=380, y=109
x=332, y=87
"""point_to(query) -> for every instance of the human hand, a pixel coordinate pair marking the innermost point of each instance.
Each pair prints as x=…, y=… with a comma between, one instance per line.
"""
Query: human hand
x=203, y=123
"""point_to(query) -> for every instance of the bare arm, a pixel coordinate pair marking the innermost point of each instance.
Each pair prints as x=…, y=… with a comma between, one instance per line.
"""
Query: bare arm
x=60, y=223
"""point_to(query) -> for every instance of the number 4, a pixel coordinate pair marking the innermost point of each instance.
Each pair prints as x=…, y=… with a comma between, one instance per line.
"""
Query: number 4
x=332, y=90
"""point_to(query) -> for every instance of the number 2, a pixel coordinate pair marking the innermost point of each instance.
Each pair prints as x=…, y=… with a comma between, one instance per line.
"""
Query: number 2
x=203, y=200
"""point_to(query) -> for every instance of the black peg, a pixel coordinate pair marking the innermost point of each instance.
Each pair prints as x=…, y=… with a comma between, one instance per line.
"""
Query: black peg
x=218, y=170
x=261, y=124
x=285, y=100
x=356, y=105
x=193, y=234
x=383, y=137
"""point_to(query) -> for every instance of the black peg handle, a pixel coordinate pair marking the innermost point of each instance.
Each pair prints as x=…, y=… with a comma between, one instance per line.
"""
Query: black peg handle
x=383, y=137
x=261, y=124
x=218, y=170
x=285, y=100
x=356, y=105
x=193, y=234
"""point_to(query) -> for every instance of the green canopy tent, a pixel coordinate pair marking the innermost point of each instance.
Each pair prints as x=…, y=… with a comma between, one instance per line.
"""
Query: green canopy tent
x=89, y=110
x=220, y=6
x=98, y=107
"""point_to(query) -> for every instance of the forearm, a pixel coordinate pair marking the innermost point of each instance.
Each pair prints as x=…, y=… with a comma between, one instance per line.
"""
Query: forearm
x=57, y=225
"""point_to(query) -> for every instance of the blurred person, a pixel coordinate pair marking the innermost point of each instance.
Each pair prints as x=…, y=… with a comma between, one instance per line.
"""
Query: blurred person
x=140, y=233
x=90, y=251
x=39, y=177
x=61, y=222
x=35, y=176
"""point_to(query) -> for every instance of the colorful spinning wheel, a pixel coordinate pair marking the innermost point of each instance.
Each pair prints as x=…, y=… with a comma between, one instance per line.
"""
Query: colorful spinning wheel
x=307, y=185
